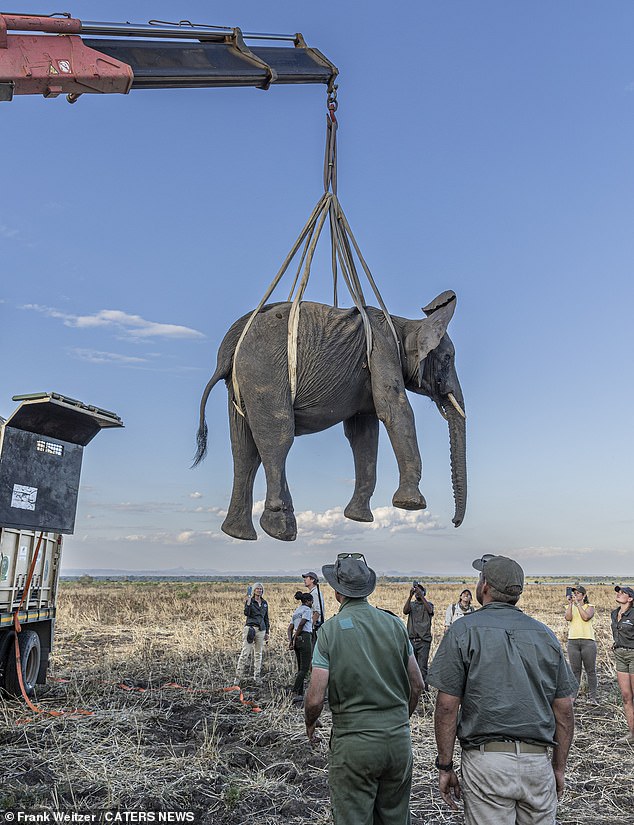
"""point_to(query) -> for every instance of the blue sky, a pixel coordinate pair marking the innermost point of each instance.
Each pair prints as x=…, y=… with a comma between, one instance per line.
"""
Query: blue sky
x=483, y=147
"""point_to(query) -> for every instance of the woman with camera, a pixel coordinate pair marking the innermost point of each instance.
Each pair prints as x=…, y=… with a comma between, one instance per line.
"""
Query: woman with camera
x=255, y=632
x=300, y=639
x=623, y=632
x=582, y=647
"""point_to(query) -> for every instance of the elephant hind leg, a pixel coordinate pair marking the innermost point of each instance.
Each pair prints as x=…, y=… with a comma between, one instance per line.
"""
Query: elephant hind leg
x=246, y=460
x=273, y=435
x=362, y=431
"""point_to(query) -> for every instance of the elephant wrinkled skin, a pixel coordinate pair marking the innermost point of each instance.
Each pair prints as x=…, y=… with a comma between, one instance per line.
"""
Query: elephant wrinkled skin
x=335, y=384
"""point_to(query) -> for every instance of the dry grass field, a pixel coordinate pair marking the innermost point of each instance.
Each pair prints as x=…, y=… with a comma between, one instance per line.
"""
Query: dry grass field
x=150, y=662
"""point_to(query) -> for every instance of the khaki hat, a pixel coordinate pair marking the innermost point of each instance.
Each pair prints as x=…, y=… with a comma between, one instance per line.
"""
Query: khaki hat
x=502, y=573
x=350, y=575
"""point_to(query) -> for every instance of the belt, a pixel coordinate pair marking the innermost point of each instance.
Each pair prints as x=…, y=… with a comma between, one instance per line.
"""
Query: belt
x=511, y=747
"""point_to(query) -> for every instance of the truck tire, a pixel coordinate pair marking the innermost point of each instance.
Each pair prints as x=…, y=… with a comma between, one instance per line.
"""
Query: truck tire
x=29, y=661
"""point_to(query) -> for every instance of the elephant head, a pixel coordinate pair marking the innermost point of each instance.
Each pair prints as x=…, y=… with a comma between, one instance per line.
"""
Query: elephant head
x=430, y=370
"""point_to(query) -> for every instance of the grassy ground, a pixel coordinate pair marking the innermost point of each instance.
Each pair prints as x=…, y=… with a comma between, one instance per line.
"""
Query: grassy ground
x=150, y=663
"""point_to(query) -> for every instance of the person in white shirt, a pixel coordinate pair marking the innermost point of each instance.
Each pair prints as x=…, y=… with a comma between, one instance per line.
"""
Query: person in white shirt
x=311, y=582
x=461, y=608
x=300, y=632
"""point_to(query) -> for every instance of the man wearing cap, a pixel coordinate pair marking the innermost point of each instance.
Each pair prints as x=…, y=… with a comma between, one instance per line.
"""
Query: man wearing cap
x=365, y=661
x=507, y=675
x=622, y=619
x=311, y=582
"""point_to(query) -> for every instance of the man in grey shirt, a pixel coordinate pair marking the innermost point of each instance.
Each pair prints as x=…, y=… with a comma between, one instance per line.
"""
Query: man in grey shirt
x=506, y=690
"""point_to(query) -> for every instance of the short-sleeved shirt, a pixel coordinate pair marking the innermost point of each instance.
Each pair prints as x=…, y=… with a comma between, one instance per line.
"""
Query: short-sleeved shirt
x=623, y=630
x=303, y=612
x=508, y=669
x=366, y=651
x=419, y=621
x=578, y=627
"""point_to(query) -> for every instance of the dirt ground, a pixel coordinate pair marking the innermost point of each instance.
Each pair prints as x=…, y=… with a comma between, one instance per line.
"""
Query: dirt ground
x=158, y=729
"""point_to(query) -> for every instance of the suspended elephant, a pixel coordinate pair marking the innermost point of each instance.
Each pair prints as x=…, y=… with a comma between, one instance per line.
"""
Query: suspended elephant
x=335, y=383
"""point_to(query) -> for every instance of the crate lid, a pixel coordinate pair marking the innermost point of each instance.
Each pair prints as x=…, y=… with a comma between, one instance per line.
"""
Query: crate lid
x=58, y=416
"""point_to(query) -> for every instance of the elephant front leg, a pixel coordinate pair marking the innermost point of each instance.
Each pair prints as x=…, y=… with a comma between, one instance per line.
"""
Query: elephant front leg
x=274, y=436
x=394, y=410
x=246, y=460
x=362, y=431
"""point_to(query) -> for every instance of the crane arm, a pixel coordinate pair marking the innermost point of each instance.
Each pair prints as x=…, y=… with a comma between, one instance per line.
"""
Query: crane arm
x=64, y=55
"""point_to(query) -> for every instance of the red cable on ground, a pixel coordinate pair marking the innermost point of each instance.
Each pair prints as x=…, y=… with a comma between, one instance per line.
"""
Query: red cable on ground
x=18, y=629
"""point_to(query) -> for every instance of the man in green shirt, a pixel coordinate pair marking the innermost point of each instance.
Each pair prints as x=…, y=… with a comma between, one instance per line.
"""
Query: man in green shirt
x=365, y=661
x=506, y=690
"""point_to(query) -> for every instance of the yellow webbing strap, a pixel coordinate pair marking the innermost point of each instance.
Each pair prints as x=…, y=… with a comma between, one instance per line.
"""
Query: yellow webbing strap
x=341, y=236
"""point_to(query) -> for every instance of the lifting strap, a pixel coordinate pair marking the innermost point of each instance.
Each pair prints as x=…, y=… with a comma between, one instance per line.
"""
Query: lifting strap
x=342, y=243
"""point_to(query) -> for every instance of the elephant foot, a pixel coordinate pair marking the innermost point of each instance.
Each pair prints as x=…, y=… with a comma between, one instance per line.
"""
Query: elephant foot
x=279, y=524
x=239, y=530
x=357, y=511
x=409, y=498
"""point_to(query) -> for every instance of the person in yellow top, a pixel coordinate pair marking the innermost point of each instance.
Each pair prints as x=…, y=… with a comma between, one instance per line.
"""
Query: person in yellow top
x=582, y=648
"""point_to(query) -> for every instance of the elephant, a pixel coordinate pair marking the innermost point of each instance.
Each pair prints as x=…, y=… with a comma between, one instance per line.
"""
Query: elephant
x=336, y=382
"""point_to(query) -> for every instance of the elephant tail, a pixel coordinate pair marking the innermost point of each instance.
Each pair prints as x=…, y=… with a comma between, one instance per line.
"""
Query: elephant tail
x=201, y=435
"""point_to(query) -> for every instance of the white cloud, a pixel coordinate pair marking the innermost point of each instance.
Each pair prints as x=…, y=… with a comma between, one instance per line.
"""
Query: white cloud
x=196, y=495
x=328, y=527
x=132, y=326
x=94, y=356
x=550, y=552
x=8, y=232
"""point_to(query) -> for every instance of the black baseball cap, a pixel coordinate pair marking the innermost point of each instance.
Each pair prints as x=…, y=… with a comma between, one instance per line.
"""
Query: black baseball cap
x=313, y=576
x=628, y=590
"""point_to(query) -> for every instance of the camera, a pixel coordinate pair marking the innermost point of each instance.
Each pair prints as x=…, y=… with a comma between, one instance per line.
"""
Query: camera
x=418, y=584
x=569, y=592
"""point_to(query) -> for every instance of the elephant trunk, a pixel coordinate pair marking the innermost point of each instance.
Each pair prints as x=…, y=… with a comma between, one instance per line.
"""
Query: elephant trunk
x=458, y=448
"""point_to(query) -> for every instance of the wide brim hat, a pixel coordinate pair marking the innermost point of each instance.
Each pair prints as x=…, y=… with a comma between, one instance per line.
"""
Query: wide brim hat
x=351, y=577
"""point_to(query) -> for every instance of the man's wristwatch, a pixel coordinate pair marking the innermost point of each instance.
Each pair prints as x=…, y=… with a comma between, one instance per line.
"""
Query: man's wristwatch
x=447, y=767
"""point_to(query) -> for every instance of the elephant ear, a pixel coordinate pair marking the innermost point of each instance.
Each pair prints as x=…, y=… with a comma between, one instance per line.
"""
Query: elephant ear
x=439, y=312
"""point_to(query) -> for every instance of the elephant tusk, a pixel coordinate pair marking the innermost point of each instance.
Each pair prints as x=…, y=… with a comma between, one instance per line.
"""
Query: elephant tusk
x=456, y=406
x=237, y=408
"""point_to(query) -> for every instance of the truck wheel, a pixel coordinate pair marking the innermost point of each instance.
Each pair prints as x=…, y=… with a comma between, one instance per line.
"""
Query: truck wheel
x=29, y=662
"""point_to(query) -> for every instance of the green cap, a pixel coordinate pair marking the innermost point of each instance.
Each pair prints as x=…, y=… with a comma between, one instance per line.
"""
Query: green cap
x=502, y=573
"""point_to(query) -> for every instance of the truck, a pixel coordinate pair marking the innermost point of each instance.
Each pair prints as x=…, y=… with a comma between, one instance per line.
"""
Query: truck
x=41, y=451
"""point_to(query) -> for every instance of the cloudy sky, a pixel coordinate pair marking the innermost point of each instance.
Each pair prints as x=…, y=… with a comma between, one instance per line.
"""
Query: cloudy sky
x=483, y=147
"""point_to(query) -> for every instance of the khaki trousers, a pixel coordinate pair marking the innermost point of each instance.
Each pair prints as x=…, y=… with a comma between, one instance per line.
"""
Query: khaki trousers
x=255, y=648
x=508, y=788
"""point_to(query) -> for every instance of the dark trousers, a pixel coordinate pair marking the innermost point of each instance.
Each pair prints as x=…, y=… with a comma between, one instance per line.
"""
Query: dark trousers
x=370, y=777
x=421, y=651
x=303, y=654
x=583, y=652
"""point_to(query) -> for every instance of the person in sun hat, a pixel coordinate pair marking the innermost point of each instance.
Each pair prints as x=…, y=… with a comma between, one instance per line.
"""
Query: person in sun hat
x=506, y=689
x=582, y=647
x=622, y=619
x=364, y=660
